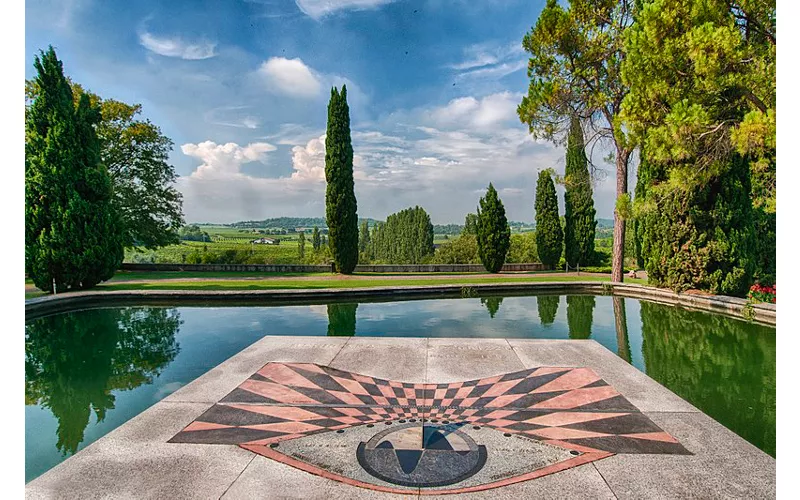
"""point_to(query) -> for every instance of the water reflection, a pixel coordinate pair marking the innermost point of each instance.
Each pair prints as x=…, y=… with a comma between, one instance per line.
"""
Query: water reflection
x=621, y=326
x=342, y=320
x=492, y=304
x=74, y=361
x=724, y=369
x=547, y=305
x=580, y=312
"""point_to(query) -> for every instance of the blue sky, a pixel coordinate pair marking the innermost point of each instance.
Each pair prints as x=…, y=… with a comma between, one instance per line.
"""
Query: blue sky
x=241, y=87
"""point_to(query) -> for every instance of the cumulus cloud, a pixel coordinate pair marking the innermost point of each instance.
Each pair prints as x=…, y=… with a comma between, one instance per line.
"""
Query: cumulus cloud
x=309, y=161
x=320, y=8
x=224, y=160
x=177, y=47
x=290, y=77
x=485, y=112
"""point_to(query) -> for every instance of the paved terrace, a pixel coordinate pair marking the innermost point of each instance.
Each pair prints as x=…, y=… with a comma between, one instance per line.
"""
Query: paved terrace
x=317, y=417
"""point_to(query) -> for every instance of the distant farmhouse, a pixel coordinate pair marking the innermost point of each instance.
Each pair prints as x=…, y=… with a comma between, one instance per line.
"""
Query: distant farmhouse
x=266, y=241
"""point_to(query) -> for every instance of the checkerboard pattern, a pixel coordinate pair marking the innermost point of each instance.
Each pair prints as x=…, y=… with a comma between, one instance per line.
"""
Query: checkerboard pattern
x=568, y=407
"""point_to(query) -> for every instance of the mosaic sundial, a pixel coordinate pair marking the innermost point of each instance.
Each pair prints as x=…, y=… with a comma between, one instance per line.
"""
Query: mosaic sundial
x=436, y=438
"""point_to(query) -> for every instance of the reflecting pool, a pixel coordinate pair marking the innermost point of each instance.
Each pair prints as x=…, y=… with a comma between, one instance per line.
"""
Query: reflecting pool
x=88, y=372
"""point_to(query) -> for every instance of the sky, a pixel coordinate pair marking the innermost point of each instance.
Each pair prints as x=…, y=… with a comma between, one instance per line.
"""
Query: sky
x=241, y=87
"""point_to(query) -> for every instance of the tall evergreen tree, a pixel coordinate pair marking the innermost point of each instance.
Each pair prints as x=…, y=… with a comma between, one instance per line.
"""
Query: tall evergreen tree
x=301, y=246
x=549, y=235
x=405, y=238
x=494, y=235
x=340, y=197
x=579, y=212
x=73, y=237
x=315, y=240
x=547, y=306
x=470, y=224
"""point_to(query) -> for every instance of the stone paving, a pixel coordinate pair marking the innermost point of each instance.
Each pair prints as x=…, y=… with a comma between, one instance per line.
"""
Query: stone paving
x=337, y=417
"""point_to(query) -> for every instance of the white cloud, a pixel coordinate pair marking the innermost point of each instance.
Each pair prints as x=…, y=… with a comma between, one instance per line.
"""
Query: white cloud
x=320, y=8
x=290, y=77
x=486, y=112
x=309, y=161
x=490, y=61
x=177, y=47
x=224, y=160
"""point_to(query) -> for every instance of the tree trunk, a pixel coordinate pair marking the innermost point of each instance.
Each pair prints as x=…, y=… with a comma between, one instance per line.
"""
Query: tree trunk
x=618, y=251
x=621, y=324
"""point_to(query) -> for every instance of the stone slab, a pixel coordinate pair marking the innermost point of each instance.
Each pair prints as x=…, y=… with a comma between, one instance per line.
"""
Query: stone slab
x=402, y=359
x=644, y=392
x=723, y=465
x=455, y=360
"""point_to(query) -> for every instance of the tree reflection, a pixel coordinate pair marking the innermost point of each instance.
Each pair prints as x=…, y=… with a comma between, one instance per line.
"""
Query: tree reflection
x=342, y=320
x=621, y=325
x=492, y=304
x=548, y=308
x=74, y=361
x=724, y=366
x=580, y=314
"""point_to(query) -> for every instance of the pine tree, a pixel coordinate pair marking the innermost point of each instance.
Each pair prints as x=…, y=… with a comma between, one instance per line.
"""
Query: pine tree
x=549, y=236
x=315, y=240
x=73, y=235
x=579, y=212
x=340, y=198
x=301, y=246
x=494, y=235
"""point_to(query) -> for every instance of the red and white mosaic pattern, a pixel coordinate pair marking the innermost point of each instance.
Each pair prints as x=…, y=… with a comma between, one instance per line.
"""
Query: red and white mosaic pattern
x=572, y=408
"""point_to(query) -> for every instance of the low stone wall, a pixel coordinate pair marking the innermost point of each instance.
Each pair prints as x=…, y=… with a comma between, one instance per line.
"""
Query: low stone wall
x=729, y=306
x=298, y=268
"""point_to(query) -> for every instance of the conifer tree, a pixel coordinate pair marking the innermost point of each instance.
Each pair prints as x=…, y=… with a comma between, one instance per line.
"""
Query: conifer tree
x=363, y=238
x=301, y=246
x=73, y=235
x=340, y=198
x=549, y=235
x=315, y=240
x=494, y=235
x=580, y=315
x=548, y=308
x=579, y=212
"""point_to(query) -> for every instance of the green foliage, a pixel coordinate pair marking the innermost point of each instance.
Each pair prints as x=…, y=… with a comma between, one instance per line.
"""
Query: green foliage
x=405, y=238
x=522, y=249
x=340, y=198
x=342, y=320
x=470, y=224
x=701, y=104
x=461, y=250
x=136, y=154
x=580, y=315
x=493, y=232
x=702, y=239
x=72, y=231
x=315, y=241
x=75, y=362
x=579, y=212
x=548, y=308
x=363, y=238
x=549, y=235
x=492, y=304
x=193, y=233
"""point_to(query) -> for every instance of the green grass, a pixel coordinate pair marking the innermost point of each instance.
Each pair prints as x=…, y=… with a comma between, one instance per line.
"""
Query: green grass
x=268, y=284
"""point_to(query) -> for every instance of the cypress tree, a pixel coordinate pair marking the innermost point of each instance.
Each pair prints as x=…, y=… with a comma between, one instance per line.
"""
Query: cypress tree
x=340, y=197
x=73, y=235
x=342, y=320
x=301, y=246
x=549, y=236
x=494, y=235
x=405, y=238
x=315, y=240
x=579, y=212
x=492, y=304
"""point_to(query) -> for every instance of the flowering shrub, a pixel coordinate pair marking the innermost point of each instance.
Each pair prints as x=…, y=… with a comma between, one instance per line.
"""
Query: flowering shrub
x=762, y=293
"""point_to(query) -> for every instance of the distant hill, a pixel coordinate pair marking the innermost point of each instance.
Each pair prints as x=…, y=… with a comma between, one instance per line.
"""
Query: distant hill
x=290, y=223
x=605, y=223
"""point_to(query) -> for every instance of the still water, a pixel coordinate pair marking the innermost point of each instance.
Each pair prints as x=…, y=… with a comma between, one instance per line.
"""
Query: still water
x=88, y=372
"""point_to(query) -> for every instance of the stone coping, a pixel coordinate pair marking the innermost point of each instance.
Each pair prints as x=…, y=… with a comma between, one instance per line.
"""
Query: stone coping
x=730, y=306
x=141, y=458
